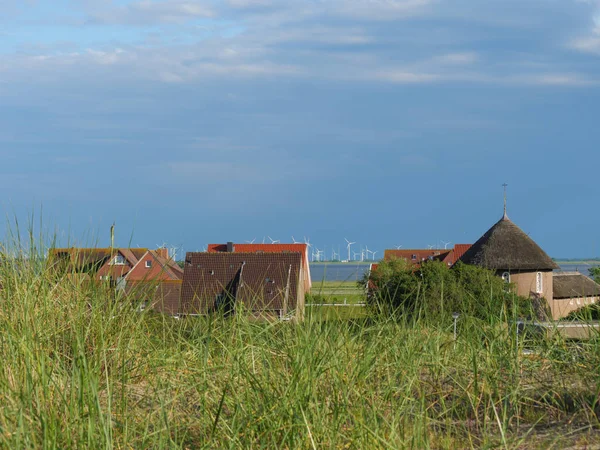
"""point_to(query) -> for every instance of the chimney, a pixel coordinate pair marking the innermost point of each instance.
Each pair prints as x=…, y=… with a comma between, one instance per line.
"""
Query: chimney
x=230, y=247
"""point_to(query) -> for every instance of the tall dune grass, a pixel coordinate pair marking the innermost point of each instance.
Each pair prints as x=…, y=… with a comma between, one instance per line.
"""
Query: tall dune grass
x=83, y=370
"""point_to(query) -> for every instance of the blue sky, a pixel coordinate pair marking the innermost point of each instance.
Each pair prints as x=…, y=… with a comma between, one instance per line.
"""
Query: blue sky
x=389, y=122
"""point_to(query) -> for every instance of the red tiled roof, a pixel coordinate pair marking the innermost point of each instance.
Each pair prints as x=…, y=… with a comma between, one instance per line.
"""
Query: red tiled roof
x=265, y=248
x=417, y=256
x=260, y=281
x=459, y=250
x=160, y=268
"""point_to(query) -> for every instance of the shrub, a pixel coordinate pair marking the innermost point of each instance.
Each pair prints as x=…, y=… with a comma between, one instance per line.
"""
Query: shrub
x=434, y=292
x=587, y=313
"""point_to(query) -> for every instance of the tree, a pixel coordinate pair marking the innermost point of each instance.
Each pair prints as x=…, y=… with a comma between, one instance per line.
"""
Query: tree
x=434, y=291
x=595, y=274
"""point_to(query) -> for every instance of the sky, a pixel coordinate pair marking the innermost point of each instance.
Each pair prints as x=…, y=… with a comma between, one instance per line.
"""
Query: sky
x=387, y=122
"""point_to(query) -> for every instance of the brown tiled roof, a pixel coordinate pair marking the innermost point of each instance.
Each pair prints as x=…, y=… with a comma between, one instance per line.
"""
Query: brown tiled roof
x=129, y=256
x=269, y=248
x=86, y=257
x=162, y=296
x=259, y=281
x=506, y=247
x=574, y=285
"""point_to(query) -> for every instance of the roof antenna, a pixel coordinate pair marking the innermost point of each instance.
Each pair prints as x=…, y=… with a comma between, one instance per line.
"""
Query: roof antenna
x=505, y=217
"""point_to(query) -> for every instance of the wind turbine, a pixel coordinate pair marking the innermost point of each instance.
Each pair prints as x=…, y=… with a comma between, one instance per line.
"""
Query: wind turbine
x=295, y=241
x=307, y=242
x=349, y=244
x=374, y=255
x=316, y=254
x=319, y=253
x=430, y=247
x=446, y=244
x=398, y=247
x=273, y=241
x=251, y=242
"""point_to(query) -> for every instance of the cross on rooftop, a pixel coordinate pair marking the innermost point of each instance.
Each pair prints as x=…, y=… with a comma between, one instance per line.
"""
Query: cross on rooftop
x=505, y=186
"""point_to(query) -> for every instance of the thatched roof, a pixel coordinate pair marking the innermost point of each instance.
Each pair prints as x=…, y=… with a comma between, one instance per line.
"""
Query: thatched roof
x=506, y=247
x=573, y=285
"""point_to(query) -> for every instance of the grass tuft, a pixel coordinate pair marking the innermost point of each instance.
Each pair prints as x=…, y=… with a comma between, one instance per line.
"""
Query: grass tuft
x=83, y=370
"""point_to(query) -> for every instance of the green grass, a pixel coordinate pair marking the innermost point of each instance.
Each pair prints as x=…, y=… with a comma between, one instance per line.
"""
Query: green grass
x=80, y=370
x=340, y=312
x=337, y=292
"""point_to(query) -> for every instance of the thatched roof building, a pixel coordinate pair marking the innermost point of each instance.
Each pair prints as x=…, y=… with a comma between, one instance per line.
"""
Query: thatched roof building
x=574, y=285
x=506, y=247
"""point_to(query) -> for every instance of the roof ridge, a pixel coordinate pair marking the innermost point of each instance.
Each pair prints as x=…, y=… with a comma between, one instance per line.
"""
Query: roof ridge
x=165, y=264
x=129, y=255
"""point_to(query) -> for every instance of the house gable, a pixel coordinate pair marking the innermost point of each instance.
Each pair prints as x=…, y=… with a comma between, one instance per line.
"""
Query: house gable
x=152, y=266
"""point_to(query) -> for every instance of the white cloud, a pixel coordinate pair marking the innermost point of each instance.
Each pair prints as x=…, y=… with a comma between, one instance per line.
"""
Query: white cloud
x=105, y=58
x=557, y=79
x=250, y=3
x=457, y=58
x=590, y=41
x=377, y=9
x=402, y=76
x=150, y=12
x=320, y=34
x=321, y=39
x=589, y=44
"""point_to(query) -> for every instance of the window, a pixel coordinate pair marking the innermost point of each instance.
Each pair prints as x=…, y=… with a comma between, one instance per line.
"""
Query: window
x=119, y=260
x=414, y=257
x=539, y=286
x=506, y=277
x=148, y=264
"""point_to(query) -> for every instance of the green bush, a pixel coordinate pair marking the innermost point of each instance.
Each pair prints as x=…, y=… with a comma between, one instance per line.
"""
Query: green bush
x=587, y=313
x=435, y=292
